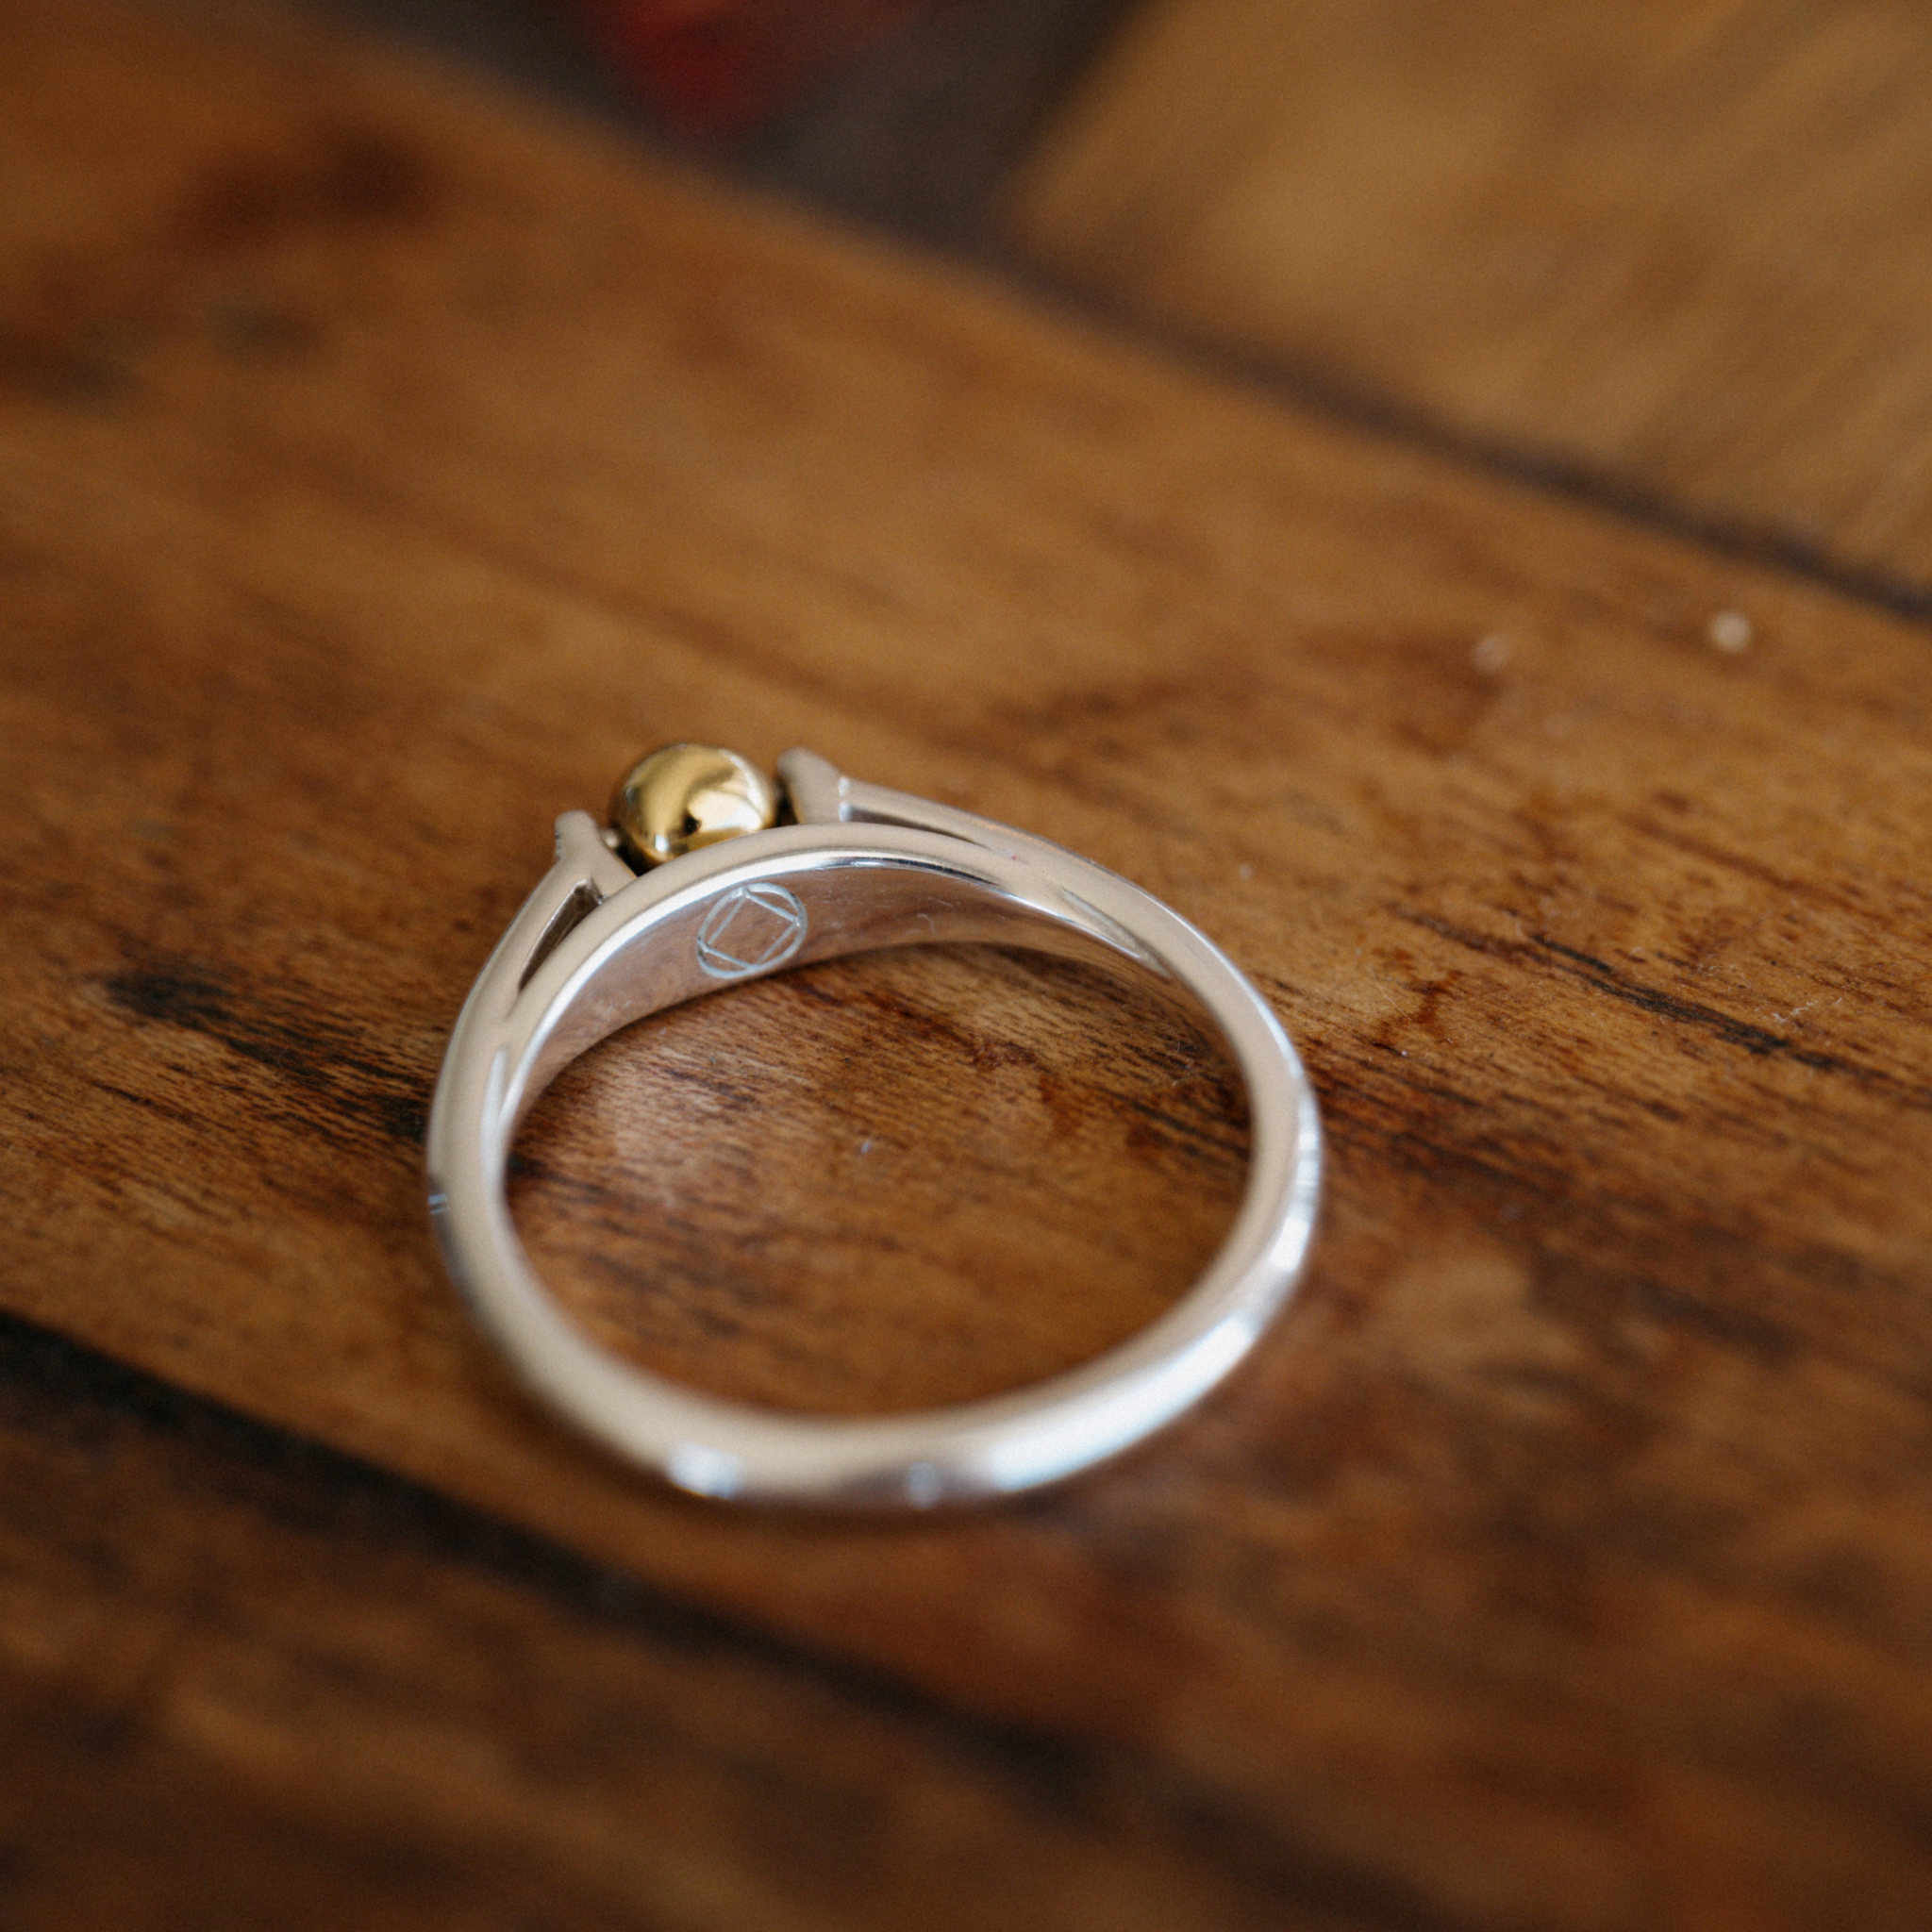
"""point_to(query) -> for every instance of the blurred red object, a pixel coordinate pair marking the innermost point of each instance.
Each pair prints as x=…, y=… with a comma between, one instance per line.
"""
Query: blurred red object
x=719, y=67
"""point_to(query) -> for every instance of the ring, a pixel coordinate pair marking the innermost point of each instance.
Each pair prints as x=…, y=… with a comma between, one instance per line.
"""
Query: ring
x=696, y=887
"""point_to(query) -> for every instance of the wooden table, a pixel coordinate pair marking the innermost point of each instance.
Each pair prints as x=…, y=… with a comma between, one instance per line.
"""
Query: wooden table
x=385, y=463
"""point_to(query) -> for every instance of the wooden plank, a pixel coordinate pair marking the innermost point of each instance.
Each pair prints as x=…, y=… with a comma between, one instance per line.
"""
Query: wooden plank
x=360, y=1706
x=1679, y=253
x=383, y=467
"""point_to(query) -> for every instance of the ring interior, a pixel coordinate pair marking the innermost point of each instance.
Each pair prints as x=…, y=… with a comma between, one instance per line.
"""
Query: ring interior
x=861, y=907
x=858, y=903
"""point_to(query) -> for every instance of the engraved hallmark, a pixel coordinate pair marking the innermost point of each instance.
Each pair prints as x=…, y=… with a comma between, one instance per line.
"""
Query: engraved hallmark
x=750, y=929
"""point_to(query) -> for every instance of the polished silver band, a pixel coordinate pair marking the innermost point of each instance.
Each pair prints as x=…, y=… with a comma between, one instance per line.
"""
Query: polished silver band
x=598, y=946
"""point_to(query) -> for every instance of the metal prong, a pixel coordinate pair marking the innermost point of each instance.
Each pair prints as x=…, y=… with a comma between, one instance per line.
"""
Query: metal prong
x=815, y=786
x=581, y=842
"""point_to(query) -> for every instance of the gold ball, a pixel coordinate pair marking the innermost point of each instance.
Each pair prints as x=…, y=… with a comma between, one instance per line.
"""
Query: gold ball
x=687, y=795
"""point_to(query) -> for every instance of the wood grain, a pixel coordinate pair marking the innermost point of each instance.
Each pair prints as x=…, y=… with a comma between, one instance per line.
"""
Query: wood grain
x=1677, y=256
x=383, y=467
x=256, y=1684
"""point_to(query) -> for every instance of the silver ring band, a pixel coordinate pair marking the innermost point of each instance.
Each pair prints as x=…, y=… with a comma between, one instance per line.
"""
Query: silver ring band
x=598, y=946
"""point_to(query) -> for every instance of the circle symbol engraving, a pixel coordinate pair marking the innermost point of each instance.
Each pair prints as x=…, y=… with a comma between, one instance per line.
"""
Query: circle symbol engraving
x=750, y=929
